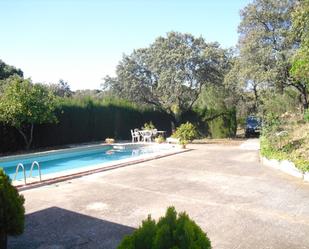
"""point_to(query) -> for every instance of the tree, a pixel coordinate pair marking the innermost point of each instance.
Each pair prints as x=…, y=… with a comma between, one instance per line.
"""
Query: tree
x=265, y=48
x=12, y=211
x=23, y=105
x=6, y=71
x=62, y=89
x=300, y=17
x=170, y=73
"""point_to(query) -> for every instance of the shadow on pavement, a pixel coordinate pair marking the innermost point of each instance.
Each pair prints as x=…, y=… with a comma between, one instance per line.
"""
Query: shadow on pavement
x=57, y=228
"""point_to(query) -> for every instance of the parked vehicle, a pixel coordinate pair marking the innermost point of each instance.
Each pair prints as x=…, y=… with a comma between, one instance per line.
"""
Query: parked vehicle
x=253, y=126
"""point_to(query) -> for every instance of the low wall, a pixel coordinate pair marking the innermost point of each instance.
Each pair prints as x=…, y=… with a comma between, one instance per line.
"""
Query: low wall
x=286, y=167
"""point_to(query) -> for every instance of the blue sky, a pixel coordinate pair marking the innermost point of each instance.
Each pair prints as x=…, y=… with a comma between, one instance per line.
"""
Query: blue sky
x=81, y=41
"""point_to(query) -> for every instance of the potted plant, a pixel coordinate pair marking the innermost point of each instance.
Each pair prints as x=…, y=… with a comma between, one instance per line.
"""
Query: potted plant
x=185, y=133
x=109, y=140
x=183, y=143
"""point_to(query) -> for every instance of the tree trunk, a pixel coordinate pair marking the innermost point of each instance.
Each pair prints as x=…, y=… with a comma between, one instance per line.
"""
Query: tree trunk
x=256, y=98
x=28, y=141
x=3, y=240
x=174, y=122
x=31, y=137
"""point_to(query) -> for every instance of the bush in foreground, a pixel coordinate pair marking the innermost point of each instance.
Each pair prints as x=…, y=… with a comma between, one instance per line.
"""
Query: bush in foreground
x=12, y=211
x=171, y=232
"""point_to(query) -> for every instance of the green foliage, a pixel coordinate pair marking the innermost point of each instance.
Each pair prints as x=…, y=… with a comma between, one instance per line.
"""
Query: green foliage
x=84, y=120
x=148, y=126
x=275, y=103
x=170, y=73
x=300, y=68
x=206, y=121
x=24, y=104
x=88, y=119
x=6, y=71
x=62, y=89
x=286, y=137
x=12, y=211
x=173, y=231
x=266, y=47
x=185, y=132
x=222, y=123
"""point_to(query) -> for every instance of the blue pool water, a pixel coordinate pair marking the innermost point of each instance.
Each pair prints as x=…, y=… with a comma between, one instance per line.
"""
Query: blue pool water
x=56, y=162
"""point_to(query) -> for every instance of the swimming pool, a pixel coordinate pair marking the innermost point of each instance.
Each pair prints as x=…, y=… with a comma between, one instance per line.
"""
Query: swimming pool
x=70, y=159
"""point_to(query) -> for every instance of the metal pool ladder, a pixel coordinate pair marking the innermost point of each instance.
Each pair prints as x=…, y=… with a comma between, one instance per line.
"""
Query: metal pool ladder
x=20, y=165
x=35, y=163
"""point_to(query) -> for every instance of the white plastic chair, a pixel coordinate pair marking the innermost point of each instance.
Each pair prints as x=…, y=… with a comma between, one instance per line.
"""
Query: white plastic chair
x=135, y=136
x=146, y=136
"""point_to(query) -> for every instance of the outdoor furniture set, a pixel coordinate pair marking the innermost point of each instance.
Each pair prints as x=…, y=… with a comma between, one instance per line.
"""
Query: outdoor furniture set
x=145, y=135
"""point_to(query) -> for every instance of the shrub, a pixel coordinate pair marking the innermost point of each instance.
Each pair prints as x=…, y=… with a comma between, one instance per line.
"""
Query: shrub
x=224, y=124
x=185, y=132
x=12, y=211
x=286, y=138
x=171, y=232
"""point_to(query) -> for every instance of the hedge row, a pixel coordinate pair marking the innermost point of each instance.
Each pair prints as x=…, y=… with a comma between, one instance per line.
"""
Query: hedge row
x=90, y=121
x=86, y=123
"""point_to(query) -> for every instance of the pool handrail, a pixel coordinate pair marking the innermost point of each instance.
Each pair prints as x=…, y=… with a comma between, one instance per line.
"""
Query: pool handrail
x=20, y=165
x=35, y=163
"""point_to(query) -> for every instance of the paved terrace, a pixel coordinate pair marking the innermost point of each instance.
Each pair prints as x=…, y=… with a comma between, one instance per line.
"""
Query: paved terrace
x=239, y=203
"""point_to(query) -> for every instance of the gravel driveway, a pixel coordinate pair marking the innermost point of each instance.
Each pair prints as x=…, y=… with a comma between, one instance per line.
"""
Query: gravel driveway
x=238, y=202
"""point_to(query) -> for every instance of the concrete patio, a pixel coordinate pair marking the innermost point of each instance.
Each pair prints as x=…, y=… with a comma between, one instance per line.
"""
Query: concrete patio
x=239, y=203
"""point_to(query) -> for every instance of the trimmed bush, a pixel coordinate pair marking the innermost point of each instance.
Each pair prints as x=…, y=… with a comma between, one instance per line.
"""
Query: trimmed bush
x=12, y=211
x=171, y=232
x=185, y=132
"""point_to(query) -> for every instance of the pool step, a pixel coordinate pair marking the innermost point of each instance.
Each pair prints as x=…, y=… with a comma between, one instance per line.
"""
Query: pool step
x=128, y=146
x=119, y=147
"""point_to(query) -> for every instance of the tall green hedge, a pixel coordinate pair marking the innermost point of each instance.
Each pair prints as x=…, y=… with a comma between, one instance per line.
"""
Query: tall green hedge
x=85, y=121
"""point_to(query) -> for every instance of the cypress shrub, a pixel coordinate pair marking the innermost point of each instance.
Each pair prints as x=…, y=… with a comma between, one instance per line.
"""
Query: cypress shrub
x=172, y=231
x=12, y=211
